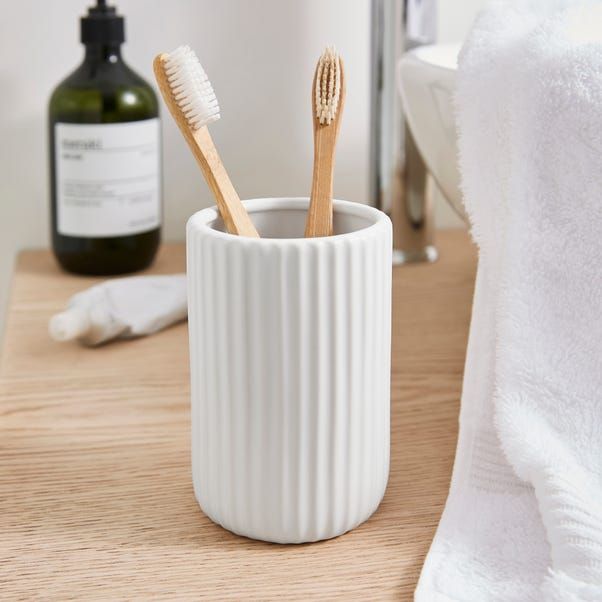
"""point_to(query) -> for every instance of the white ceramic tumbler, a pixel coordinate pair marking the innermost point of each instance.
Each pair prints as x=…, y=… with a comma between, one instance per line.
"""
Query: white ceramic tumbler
x=290, y=367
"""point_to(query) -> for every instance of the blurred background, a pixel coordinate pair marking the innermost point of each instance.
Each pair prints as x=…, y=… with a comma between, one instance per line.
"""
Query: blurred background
x=259, y=55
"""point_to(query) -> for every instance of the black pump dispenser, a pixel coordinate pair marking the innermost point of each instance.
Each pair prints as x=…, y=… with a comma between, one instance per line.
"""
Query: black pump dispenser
x=102, y=25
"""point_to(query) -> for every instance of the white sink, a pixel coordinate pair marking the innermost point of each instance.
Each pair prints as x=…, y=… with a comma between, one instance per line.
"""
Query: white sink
x=427, y=77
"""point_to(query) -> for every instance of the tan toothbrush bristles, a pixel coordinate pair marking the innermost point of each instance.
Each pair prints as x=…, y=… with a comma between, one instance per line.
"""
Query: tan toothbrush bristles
x=327, y=88
x=328, y=99
x=235, y=216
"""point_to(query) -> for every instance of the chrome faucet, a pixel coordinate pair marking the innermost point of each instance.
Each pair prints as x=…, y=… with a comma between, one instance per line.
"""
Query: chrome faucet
x=398, y=175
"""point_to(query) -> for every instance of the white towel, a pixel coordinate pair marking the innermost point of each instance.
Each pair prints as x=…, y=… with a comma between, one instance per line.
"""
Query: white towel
x=523, y=520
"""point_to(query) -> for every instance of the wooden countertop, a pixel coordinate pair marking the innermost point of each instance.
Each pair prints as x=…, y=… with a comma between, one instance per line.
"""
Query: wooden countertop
x=96, y=499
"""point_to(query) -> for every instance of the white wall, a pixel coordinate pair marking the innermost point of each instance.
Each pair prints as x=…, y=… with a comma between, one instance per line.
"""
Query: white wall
x=259, y=55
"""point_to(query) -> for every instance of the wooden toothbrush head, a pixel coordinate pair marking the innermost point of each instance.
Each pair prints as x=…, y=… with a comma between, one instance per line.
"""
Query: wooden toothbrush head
x=328, y=100
x=191, y=101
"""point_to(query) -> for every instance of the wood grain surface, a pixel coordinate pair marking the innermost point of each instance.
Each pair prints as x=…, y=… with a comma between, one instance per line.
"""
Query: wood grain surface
x=96, y=500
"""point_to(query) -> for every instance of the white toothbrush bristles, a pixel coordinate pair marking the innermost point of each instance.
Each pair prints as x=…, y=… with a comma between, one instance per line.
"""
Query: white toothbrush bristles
x=191, y=88
x=328, y=86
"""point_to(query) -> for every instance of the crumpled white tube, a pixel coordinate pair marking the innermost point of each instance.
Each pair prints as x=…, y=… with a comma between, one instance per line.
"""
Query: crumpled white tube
x=122, y=308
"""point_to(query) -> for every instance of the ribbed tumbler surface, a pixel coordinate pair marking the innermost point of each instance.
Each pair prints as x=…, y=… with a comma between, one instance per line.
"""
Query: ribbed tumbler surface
x=290, y=367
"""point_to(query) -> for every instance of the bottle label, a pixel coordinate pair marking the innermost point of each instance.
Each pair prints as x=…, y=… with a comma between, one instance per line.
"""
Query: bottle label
x=108, y=178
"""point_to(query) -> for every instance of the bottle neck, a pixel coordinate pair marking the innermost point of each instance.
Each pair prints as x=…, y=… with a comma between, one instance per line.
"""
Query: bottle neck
x=103, y=53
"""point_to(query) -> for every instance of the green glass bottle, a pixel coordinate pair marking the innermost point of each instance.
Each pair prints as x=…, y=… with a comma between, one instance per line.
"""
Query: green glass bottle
x=105, y=157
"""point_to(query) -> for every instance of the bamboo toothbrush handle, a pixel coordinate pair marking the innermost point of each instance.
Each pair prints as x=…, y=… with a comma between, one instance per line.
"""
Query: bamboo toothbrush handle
x=235, y=216
x=319, y=215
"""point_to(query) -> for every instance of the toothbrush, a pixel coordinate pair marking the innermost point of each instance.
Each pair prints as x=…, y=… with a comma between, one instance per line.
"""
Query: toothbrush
x=190, y=98
x=328, y=98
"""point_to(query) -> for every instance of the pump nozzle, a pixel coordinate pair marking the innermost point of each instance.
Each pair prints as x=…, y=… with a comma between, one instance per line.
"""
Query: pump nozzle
x=102, y=25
